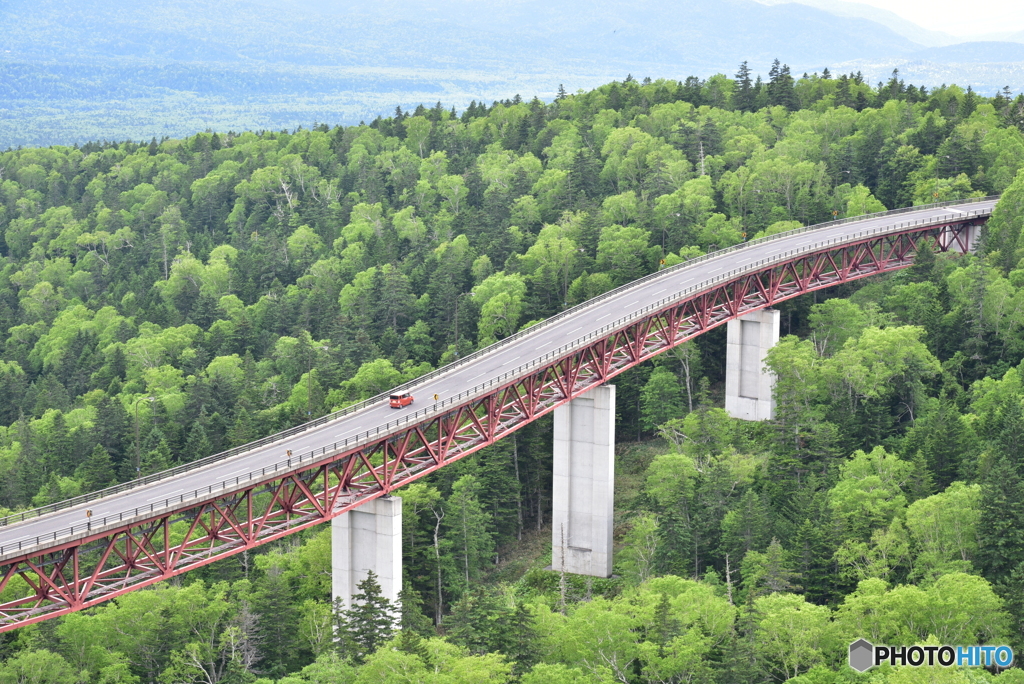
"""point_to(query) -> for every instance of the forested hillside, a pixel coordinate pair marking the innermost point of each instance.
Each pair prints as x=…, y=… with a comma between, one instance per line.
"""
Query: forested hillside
x=74, y=72
x=163, y=301
x=115, y=69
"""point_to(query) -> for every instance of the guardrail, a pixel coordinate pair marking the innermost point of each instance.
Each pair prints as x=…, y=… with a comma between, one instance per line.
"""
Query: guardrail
x=439, y=407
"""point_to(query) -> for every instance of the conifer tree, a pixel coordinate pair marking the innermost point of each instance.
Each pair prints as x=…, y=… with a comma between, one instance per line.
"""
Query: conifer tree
x=747, y=526
x=780, y=86
x=97, y=471
x=27, y=475
x=813, y=556
x=413, y=619
x=273, y=601
x=156, y=454
x=243, y=431
x=485, y=621
x=49, y=493
x=768, y=572
x=57, y=447
x=1012, y=592
x=1001, y=525
x=743, y=95
x=467, y=537
x=967, y=105
x=371, y=619
x=410, y=642
x=198, y=444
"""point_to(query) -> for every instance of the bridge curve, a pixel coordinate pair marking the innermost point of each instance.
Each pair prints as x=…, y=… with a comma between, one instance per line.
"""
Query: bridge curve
x=78, y=553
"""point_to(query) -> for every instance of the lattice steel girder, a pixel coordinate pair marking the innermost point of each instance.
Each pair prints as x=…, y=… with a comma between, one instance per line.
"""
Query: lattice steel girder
x=84, y=572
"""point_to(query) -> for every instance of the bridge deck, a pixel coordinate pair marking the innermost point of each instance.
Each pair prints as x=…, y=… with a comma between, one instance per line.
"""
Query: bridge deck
x=676, y=283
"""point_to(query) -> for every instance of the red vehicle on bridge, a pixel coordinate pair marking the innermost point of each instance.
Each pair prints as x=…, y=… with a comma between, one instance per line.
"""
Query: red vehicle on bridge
x=400, y=400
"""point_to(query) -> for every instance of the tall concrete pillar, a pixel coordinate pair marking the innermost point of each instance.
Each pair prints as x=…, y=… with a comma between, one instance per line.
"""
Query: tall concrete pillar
x=748, y=384
x=971, y=235
x=584, y=484
x=364, y=539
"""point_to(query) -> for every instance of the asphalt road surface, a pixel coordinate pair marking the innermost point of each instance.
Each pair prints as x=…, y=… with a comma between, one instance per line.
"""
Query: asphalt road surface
x=462, y=377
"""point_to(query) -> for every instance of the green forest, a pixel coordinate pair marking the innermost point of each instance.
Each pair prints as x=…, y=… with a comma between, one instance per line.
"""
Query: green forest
x=168, y=300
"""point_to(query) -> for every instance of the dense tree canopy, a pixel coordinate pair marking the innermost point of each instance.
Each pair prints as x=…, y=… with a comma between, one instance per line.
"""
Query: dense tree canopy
x=201, y=292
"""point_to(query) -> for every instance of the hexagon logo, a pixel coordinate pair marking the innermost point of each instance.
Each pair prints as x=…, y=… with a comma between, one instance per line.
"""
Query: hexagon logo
x=862, y=655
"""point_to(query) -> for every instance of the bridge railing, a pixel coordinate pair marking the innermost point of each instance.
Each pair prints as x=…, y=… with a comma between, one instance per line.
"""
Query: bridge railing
x=292, y=462
x=439, y=406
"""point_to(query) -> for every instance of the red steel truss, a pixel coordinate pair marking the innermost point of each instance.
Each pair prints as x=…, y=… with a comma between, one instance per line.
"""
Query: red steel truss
x=77, y=574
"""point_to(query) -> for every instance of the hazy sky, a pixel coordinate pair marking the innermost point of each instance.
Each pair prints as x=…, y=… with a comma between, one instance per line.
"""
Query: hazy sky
x=956, y=17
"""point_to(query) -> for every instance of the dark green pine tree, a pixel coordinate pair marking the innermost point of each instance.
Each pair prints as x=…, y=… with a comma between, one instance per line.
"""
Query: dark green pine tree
x=925, y=264
x=898, y=161
x=746, y=527
x=950, y=446
x=371, y=619
x=743, y=95
x=343, y=644
x=243, y=431
x=664, y=625
x=500, y=491
x=49, y=493
x=156, y=454
x=28, y=474
x=861, y=103
x=413, y=619
x=156, y=460
x=842, y=96
x=740, y=660
x=98, y=470
x=197, y=445
x=519, y=640
x=1009, y=440
x=967, y=105
x=921, y=483
x=112, y=429
x=410, y=642
x=776, y=575
x=958, y=154
x=472, y=620
x=1012, y=592
x=674, y=552
x=781, y=87
x=929, y=135
x=1001, y=525
x=1015, y=113
x=57, y=447
x=484, y=622
x=813, y=552
x=273, y=600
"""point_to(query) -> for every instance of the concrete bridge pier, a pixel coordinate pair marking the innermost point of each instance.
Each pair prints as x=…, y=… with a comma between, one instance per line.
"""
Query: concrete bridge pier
x=584, y=484
x=748, y=384
x=970, y=234
x=364, y=539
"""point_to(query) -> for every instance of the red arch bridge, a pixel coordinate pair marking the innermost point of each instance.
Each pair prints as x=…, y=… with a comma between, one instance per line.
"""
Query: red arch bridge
x=78, y=553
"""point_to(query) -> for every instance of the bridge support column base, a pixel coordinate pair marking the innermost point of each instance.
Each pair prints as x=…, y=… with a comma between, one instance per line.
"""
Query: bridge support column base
x=364, y=539
x=748, y=384
x=584, y=484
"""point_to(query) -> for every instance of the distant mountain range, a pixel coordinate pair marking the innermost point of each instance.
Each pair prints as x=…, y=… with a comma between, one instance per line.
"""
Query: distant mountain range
x=167, y=64
x=457, y=34
x=905, y=28
x=891, y=20
x=974, y=53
